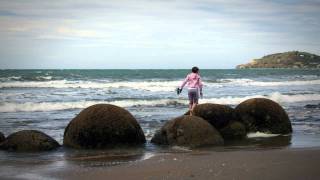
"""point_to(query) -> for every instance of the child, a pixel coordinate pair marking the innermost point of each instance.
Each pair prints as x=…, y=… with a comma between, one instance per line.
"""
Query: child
x=194, y=87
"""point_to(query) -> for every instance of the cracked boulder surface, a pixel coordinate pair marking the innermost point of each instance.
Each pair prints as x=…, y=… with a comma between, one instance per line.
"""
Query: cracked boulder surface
x=189, y=131
x=29, y=140
x=264, y=115
x=103, y=126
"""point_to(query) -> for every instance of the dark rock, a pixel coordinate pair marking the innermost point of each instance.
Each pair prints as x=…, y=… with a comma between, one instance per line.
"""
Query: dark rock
x=264, y=115
x=223, y=118
x=234, y=130
x=191, y=131
x=216, y=114
x=103, y=126
x=29, y=140
x=2, y=137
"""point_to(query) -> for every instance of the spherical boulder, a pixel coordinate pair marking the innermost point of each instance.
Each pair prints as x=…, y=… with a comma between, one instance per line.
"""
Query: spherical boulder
x=217, y=115
x=103, y=126
x=2, y=137
x=29, y=140
x=264, y=115
x=190, y=131
x=233, y=131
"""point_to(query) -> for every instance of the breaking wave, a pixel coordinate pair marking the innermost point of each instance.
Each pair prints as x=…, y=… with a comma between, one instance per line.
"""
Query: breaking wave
x=250, y=82
x=145, y=85
x=52, y=106
x=154, y=86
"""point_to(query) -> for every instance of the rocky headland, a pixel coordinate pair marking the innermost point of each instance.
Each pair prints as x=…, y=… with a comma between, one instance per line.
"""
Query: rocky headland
x=291, y=59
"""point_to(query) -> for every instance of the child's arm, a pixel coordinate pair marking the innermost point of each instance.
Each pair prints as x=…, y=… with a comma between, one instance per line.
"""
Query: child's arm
x=200, y=87
x=184, y=82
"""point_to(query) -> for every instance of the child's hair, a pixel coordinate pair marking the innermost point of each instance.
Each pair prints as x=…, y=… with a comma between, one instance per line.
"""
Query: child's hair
x=195, y=69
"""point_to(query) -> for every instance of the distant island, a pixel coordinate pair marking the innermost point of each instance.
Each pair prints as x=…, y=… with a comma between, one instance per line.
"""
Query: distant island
x=291, y=59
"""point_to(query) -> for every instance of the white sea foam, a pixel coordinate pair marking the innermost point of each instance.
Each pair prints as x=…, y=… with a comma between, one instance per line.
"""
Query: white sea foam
x=154, y=86
x=51, y=106
x=250, y=82
x=44, y=77
x=285, y=83
x=146, y=85
x=10, y=78
x=261, y=134
x=276, y=96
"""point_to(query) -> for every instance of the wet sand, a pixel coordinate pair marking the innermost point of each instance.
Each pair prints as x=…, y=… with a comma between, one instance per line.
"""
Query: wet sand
x=281, y=164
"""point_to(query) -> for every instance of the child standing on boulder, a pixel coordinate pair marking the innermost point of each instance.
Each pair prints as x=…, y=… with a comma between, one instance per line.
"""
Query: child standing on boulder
x=194, y=88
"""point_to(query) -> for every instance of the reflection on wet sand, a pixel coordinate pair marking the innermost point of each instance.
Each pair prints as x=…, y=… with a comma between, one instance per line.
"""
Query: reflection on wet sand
x=280, y=141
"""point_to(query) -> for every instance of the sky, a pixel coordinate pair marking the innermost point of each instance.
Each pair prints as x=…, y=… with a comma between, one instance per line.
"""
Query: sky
x=152, y=34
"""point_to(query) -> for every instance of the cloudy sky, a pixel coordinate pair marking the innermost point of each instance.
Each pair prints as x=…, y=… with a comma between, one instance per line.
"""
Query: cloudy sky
x=153, y=33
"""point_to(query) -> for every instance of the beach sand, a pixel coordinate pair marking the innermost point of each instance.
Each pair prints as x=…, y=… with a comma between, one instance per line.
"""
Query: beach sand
x=300, y=163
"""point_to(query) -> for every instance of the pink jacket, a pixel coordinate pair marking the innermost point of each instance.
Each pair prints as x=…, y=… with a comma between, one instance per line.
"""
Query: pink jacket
x=193, y=80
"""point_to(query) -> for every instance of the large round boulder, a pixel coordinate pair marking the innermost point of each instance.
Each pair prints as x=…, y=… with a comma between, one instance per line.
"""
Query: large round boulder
x=29, y=140
x=233, y=131
x=217, y=115
x=103, y=126
x=2, y=137
x=190, y=131
x=264, y=115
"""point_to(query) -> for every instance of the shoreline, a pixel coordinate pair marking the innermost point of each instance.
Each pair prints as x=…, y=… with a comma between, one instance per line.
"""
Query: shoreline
x=288, y=163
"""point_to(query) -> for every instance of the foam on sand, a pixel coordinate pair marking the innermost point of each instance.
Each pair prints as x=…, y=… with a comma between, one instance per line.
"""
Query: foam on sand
x=261, y=135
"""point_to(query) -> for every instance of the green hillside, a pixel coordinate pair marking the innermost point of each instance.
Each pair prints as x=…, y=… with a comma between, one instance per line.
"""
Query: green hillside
x=292, y=59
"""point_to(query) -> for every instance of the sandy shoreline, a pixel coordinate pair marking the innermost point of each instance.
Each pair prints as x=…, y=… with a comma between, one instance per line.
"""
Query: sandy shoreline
x=301, y=163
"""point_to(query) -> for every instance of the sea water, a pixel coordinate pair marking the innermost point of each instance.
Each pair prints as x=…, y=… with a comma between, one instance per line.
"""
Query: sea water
x=47, y=100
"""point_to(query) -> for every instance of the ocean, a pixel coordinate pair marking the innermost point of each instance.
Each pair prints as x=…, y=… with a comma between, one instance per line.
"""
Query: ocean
x=47, y=100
